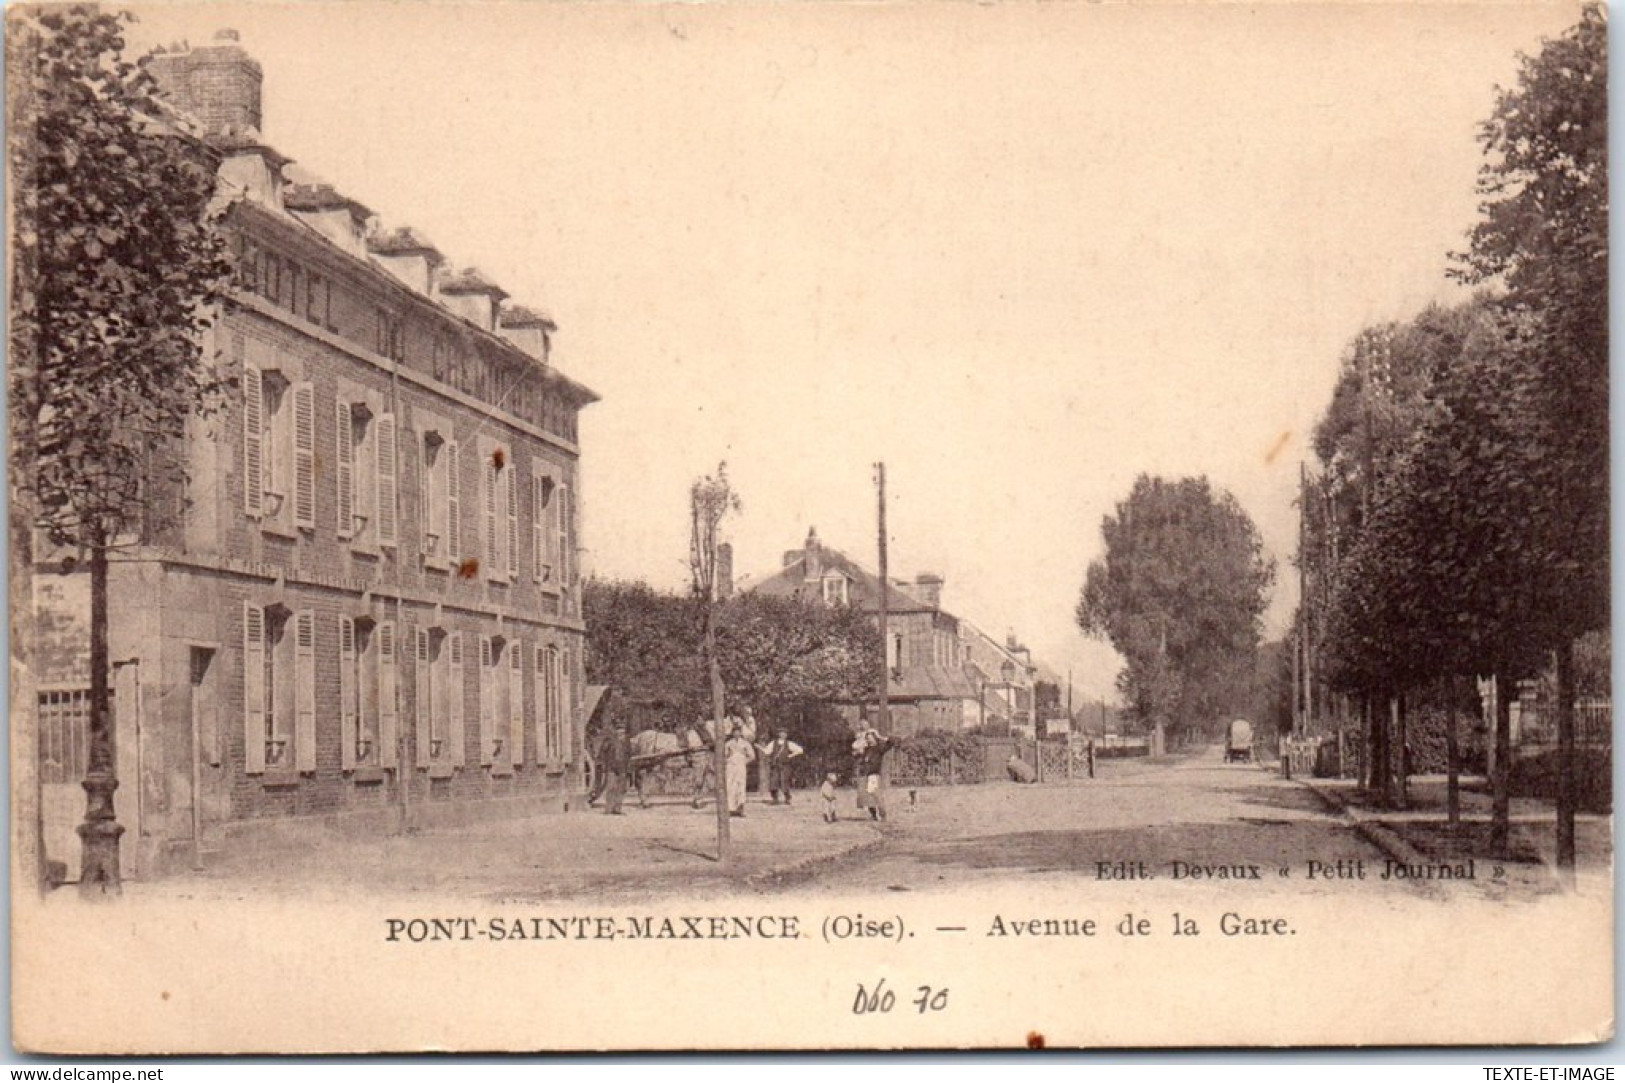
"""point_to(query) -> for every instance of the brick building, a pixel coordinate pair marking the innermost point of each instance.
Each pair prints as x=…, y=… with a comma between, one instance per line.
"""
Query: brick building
x=945, y=673
x=365, y=607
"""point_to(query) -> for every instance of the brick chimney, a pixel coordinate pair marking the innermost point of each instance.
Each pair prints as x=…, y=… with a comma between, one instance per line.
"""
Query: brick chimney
x=217, y=88
x=813, y=554
x=217, y=85
x=928, y=588
x=725, y=571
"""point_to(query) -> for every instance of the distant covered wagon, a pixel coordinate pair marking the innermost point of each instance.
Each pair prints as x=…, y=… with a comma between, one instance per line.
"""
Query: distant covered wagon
x=1238, y=742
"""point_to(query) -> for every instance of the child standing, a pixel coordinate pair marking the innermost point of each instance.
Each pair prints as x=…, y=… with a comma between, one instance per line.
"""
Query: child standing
x=827, y=792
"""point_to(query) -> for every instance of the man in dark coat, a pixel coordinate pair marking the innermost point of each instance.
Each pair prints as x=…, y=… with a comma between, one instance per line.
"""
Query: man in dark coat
x=774, y=761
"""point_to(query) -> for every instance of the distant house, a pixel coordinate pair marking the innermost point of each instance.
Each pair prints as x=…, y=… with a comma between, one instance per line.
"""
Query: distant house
x=945, y=673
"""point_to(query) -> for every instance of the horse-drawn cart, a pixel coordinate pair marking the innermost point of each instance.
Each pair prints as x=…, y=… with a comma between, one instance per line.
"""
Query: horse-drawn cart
x=1238, y=742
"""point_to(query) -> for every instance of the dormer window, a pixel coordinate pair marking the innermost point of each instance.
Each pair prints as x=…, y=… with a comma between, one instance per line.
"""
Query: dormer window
x=835, y=589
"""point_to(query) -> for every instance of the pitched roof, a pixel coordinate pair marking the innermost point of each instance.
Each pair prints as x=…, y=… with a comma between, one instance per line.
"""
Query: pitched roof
x=790, y=581
x=521, y=316
x=403, y=241
x=932, y=682
x=320, y=196
x=470, y=280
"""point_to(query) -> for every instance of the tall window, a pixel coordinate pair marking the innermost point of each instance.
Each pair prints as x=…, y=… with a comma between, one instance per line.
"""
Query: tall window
x=439, y=498
x=279, y=689
x=544, y=538
x=550, y=702
x=499, y=514
x=502, y=729
x=367, y=471
x=369, y=688
x=279, y=445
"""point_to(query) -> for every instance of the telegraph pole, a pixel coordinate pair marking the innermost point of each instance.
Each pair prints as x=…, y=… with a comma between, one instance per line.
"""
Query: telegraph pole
x=883, y=689
x=1303, y=598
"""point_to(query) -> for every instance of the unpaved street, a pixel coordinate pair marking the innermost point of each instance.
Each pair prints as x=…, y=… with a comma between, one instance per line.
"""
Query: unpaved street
x=1219, y=820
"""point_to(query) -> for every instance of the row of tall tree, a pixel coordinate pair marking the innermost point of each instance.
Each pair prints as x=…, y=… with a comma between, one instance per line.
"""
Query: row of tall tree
x=1458, y=525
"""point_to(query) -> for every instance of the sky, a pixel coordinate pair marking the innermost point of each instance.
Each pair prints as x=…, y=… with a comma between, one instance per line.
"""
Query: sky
x=1019, y=253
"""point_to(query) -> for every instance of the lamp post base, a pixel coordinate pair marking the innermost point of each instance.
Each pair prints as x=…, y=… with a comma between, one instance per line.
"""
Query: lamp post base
x=99, y=840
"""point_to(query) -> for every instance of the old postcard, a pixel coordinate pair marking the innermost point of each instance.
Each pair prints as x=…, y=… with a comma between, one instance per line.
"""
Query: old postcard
x=640, y=526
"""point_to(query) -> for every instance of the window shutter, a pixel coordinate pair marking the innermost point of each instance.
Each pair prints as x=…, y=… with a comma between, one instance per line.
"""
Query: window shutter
x=543, y=714
x=253, y=439
x=454, y=689
x=566, y=513
x=348, y=734
x=554, y=550
x=488, y=498
x=538, y=524
x=454, y=491
x=511, y=495
x=487, y=722
x=253, y=689
x=304, y=456
x=516, y=704
x=425, y=697
x=388, y=694
x=430, y=509
x=304, y=683
x=385, y=509
x=346, y=469
x=562, y=739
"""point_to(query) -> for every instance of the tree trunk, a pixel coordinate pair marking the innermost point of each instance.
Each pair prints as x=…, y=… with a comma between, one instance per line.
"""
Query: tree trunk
x=1452, y=790
x=1399, y=769
x=99, y=834
x=1501, y=771
x=1377, y=728
x=1565, y=763
x=719, y=742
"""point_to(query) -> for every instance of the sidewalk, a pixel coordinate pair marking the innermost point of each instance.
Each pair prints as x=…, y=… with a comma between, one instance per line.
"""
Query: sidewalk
x=667, y=848
x=1421, y=833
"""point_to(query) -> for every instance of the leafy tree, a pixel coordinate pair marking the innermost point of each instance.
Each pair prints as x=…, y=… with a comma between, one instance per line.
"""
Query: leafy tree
x=784, y=656
x=1487, y=542
x=1544, y=235
x=645, y=643
x=1180, y=593
x=116, y=266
